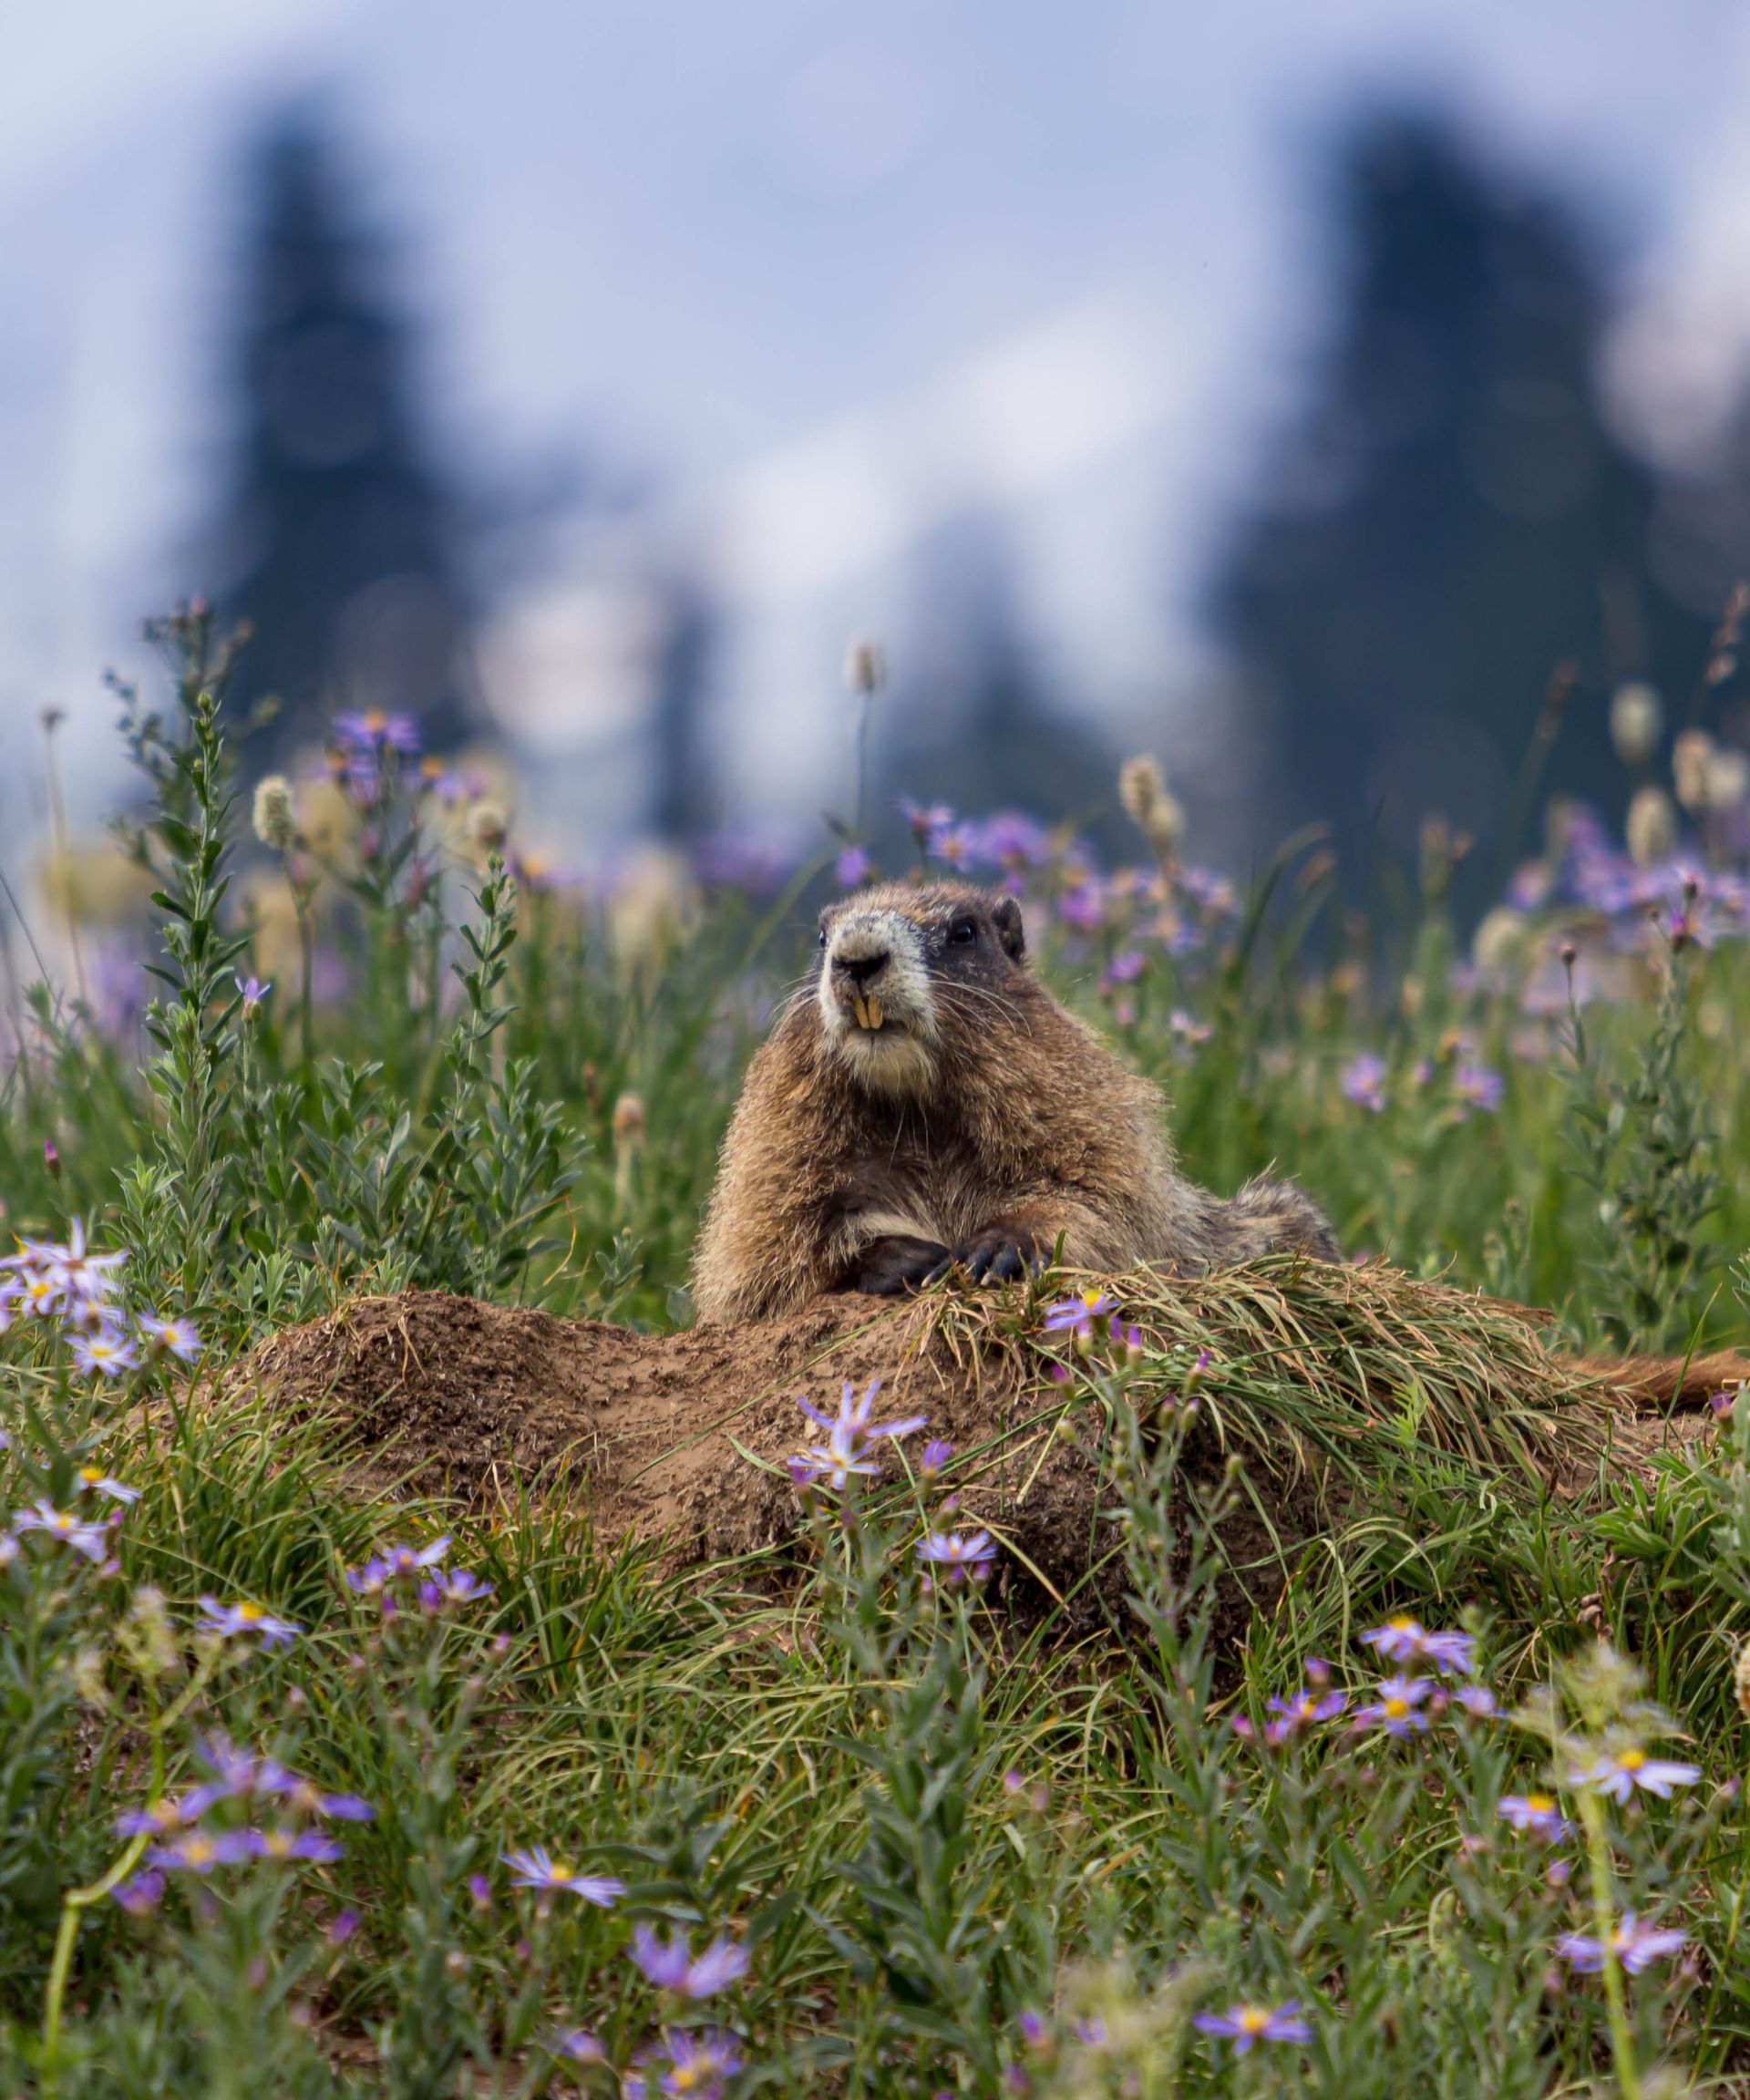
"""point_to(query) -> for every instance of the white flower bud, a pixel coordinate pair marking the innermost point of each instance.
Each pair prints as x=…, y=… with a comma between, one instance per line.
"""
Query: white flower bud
x=1637, y=719
x=1151, y=805
x=1652, y=827
x=865, y=667
x=1499, y=941
x=1689, y=758
x=487, y=827
x=275, y=814
x=1729, y=779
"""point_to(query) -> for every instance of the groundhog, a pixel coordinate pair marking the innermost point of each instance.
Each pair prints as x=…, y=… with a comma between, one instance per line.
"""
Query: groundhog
x=925, y=1104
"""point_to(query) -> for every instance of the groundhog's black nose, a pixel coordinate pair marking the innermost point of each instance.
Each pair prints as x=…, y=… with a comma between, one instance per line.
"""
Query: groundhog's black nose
x=860, y=969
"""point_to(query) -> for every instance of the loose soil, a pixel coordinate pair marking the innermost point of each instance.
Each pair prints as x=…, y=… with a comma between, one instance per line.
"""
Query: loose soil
x=681, y=1439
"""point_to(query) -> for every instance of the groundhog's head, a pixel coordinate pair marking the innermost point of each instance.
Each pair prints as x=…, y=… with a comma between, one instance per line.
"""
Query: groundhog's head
x=901, y=968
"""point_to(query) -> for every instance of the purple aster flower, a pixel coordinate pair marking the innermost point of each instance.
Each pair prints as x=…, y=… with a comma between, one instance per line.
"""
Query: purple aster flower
x=308, y=1798
x=480, y=1891
x=1362, y=1081
x=1402, y=1640
x=1187, y=1028
x=252, y=993
x=1620, y=1774
x=937, y=1452
x=453, y=1586
x=1398, y=1709
x=1302, y=1709
x=376, y=729
x=97, y=1483
x=84, y=1277
x=282, y=1844
x=535, y=1868
x=158, y=1817
x=956, y=1557
x=670, y=1964
x=341, y=1928
x=1478, y=1087
x=1083, y=907
x=1126, y=966
x=698, y=2063
x=400, y=1563
x=1076, y=1315
x=1032, y=2030
x=1636, y=1946
x=65, y=1529
x=1478, y=1701
x=1534, y=1816
x=141, y=1894
x=578, y=2045
x=852, y=868
x=247, y=1618
x=104, y=1351
x=199, y=1852
x=924, y=817
x=849, y=1436
x=1244, y=2024
x=178, y=1338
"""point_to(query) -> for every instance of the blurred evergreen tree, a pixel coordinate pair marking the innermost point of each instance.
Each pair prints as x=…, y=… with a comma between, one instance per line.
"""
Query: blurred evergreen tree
x=1450, y=522
x=339, y=540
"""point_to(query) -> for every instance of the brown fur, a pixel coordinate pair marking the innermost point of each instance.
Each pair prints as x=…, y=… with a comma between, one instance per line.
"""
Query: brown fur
x=1672, y=1383
x=1019, y=1128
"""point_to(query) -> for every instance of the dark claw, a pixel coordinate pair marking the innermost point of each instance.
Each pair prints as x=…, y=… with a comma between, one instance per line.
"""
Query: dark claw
x=997, y=1257
x=899, y=1264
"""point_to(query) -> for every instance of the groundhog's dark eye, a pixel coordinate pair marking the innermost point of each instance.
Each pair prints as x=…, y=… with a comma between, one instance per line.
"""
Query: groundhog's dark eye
x=822, y=938
x=963, y=932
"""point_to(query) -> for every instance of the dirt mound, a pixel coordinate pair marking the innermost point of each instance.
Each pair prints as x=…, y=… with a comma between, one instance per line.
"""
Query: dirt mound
x=1317, y=1376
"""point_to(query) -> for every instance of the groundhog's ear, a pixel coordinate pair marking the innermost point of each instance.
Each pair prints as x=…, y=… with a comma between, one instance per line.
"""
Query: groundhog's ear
x=1006, y=916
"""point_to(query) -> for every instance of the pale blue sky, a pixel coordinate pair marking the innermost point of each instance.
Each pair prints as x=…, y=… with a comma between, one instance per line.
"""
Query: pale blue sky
x=832, y=272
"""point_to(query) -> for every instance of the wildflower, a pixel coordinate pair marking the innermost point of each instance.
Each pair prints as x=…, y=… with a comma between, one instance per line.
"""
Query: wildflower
x=849, y=1435
x=1187, y=1028
x=1244, y=2024
x=1362, y=1081
x=671, y=1966
x=1401, y=1639
x=400, y=1561
x=309, y=1799
x=1311, y=1703
x=865, y=667
x=91, y=1479
x=252, y=992
x=851, y=869
x=1126, y=966
x=83, y=1276
x=1076, y=1315
x=1398, y=1709
x=958, y=1556
x=1479, y=1088
x=535, y=1868
x=274, y=813
x=282, y=1844
x=1534, y=1816
x=90, y=1539
x=1152, y=807
x=1620, y=1774
x=452, y=1586
x=377, y=730
x=1636, y=1946
x=199, y=1853
x=1637, y=720
x=248, y=1618
x=488, y=827
x=52, y=1158
x=159, y=1817
x=178, y=1338
x=141, y=1893
x=579, y=2045
x=1083, y=907
x=479, y=1892
x=937, y=1452
x=1478, y=1701
x=924, y=818
x=698, y=2063
x=106, y=1352
x=341, y=1928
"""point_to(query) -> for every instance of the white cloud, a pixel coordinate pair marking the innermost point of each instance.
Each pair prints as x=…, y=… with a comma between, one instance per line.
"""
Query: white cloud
x=846, y=497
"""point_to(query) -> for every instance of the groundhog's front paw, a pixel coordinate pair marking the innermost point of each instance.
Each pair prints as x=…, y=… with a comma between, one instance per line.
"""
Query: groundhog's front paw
x=999, y=1254
x=899, y=1263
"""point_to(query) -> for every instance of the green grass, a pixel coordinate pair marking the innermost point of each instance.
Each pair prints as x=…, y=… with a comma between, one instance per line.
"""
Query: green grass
x=926, y=1824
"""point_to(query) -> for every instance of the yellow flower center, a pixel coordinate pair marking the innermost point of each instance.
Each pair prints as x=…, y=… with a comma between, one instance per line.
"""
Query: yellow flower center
x=376, y=721
x=1091, y=1299
x=1395, y=1709
x=1540, y=1804
x=62, y=1521
x=1252, y=2020
x=1632, y=1760
x=560, y=1871
x=197, y=1851
x=276, y=1844
x=1402, y=1623
x=249, y=1613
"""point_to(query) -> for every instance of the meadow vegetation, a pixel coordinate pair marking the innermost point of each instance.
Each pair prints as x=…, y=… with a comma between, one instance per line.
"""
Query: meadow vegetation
x=313, y=1788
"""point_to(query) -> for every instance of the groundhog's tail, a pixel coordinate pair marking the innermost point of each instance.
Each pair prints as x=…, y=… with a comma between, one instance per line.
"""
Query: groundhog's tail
x=1667, y=1382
